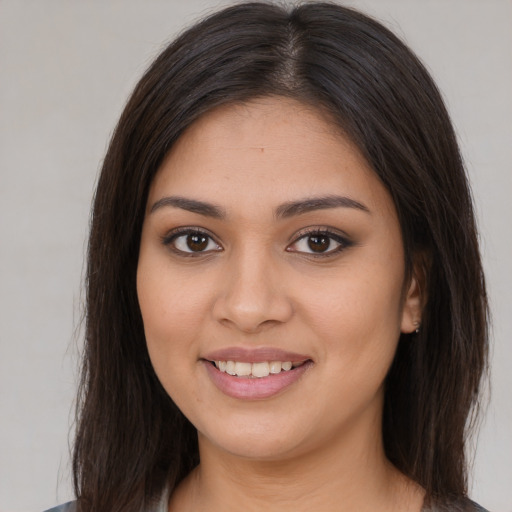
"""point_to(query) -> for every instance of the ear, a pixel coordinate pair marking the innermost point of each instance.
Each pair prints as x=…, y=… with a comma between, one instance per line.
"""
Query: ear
x=415, y=298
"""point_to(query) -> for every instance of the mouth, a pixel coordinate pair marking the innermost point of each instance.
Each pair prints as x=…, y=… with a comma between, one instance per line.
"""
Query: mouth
x=258, y=370
x=257, y=374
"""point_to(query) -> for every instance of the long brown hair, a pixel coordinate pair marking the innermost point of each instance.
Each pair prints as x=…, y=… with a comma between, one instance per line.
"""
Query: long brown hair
x=131, y=440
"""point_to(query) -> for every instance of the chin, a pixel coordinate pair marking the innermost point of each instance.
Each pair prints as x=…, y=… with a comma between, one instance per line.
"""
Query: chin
x=258, y=450
x=259, y=442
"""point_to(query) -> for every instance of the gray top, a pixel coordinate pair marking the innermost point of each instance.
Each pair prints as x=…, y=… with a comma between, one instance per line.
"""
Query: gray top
x=163, y=507
x=67, y=507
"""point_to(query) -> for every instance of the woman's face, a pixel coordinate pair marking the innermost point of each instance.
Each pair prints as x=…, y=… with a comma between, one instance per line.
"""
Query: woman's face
x=269, y=243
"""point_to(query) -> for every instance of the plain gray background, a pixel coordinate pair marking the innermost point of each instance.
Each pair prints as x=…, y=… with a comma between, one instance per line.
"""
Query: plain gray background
x=66, y=69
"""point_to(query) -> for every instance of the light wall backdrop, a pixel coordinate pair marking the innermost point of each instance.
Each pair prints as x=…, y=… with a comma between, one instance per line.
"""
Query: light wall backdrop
x=66, y=69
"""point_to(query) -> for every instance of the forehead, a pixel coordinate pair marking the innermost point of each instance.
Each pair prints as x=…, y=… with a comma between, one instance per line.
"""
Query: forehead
x=268, y=150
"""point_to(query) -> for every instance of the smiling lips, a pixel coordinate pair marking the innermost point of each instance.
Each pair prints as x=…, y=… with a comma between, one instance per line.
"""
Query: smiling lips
x=254, y=374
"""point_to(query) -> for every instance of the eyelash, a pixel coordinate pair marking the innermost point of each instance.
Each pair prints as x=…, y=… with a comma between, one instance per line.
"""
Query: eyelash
x=343, y=242
x=169, y=240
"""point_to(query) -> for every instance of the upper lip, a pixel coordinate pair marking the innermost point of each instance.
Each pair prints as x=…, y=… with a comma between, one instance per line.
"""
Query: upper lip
x=254, y=355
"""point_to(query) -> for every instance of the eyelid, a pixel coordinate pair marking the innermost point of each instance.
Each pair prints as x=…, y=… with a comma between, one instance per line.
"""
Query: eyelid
x=175, y=233
x=335, y=234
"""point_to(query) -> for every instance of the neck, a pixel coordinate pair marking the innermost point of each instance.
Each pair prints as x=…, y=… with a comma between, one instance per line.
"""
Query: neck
x=348, y=474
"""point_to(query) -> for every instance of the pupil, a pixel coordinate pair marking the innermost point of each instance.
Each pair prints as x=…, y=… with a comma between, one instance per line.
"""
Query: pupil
x=197, y=242
x=318, y=243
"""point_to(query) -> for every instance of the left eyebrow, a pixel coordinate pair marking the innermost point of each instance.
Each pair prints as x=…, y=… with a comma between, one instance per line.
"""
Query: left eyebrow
x=318, y=203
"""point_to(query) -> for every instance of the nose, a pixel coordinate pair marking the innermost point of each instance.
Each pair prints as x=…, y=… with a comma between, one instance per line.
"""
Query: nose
x=252, y=295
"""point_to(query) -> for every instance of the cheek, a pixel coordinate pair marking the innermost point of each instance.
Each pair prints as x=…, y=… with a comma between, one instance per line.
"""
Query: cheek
x=357, y=332
x=172, y=309
x=170, y=301
x=364, y=304
x=356, y=318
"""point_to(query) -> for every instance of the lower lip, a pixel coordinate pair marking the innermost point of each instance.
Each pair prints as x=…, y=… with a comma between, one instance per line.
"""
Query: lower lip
x=246, y=388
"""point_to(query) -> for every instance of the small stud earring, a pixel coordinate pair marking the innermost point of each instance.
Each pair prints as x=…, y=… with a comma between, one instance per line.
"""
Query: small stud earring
x=417, y=324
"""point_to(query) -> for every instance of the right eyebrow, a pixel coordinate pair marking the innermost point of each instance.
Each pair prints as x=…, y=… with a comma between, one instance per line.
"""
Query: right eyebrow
x=191, y=205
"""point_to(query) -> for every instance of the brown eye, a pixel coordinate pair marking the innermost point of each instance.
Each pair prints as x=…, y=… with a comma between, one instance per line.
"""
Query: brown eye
x=197, y=242
x=192, y=242
x=319, y=243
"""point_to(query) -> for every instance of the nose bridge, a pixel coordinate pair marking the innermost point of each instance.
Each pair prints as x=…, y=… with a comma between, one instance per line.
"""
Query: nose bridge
x=252, y=293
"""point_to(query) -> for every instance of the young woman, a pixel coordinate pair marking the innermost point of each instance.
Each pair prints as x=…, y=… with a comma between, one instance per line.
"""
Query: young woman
x=285, y=301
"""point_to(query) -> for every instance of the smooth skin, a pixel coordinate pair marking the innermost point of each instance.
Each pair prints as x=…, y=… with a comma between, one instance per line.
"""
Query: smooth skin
x=235, y=265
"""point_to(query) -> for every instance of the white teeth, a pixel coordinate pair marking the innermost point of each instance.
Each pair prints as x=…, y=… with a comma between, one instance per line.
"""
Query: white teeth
x=256, y=370
x=243, y=369
x=230, y=367
x=275, y=366
x=260, y=369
